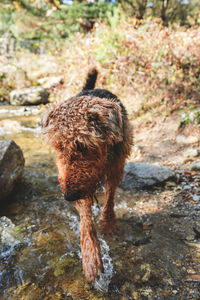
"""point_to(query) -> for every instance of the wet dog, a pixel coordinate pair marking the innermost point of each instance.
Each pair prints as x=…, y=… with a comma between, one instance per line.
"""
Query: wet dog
x=92, y=138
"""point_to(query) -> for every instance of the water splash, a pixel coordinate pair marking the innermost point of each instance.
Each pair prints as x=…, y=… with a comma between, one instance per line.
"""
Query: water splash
x=20, y=111
x=103, y=282
x=9, y=237
x=104, y=278
x=95, y=210
x=73, y=221
x=123, y=205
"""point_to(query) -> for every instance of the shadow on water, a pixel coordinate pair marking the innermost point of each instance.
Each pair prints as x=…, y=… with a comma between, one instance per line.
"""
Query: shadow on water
x=153, y=254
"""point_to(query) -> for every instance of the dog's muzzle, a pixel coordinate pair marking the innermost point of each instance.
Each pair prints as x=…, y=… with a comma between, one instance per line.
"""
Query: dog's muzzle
x=72, y=196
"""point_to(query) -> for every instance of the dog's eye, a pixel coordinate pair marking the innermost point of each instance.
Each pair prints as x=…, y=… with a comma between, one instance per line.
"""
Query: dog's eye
x=81, y=148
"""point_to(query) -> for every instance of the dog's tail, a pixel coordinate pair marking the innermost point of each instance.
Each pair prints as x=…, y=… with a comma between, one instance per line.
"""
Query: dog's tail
x=90, y=80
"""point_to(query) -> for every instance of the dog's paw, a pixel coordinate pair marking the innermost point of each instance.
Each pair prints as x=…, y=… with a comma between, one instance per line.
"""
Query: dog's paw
x=92, y=263
x=91, y=255
x=108, y=226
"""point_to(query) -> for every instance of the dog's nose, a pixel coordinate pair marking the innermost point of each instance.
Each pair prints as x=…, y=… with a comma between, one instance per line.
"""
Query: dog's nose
x=72, y=196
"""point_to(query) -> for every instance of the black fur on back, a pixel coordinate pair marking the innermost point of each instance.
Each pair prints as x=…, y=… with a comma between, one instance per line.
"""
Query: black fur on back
x=102, y=93
x=88, y=90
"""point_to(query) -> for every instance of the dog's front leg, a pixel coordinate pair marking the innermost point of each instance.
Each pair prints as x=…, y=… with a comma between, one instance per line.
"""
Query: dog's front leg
x=90, y=249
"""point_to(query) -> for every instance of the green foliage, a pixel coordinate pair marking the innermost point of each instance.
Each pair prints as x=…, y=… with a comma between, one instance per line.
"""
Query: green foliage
x=5, y=88
x=29, y=19
x=168, y=11
x=152, y=67
x=25, y=20
x=75, y=17
x=192, y=116
x=136, y=8
x=114, y=17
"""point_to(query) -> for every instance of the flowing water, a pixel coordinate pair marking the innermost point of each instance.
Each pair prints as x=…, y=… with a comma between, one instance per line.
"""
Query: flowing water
x=145, y=258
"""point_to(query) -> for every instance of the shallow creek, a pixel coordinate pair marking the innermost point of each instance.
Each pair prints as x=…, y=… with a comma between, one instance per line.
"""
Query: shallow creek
x=146, y=258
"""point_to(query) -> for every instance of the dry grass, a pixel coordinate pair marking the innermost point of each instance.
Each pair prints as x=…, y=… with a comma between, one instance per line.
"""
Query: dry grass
x=150, y=67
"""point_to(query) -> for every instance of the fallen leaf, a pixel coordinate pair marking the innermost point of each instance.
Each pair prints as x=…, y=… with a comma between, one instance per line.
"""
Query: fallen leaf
x=192, y=201
x=191, y=173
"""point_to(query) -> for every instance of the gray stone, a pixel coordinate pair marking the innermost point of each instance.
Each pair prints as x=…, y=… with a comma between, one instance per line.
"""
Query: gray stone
x=9, y=237
x=139, y=175
x=196, y=198
x=11, y=166
x=6, y=228
x=196, y=166
x=29, y=96
x=187, y=187
x=181, y=139
x=191, y=152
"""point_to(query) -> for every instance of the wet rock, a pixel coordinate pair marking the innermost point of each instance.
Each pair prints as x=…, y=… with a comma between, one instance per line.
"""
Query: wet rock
x=9, y=235
x=139, y=175
x=11, y=243
x=187, y=187
x=33, y=95
x=11, y=166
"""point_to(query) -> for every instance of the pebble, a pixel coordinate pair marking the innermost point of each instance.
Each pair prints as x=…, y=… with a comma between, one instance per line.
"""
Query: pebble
x=181, y=139
x=191, y=152
x=174, y=292
x=187, y=187
x=196, y=166
x=196, y=198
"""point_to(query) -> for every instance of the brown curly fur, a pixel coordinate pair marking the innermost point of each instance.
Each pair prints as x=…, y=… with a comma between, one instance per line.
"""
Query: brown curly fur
x=92, y=138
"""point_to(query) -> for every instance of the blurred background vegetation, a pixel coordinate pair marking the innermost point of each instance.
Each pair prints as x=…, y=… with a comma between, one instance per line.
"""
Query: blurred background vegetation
x=147, y=51
x=57, y=19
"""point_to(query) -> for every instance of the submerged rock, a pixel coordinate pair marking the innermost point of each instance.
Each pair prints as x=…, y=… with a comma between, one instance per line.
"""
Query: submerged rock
x=11, y=166
x=9, y=236
x=33, y=95
x=139, y=175
x=11, y=242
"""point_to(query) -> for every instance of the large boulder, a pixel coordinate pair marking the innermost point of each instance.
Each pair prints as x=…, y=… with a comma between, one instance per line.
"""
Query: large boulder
x=29, y=96
x=11, y=166
x=139, y=175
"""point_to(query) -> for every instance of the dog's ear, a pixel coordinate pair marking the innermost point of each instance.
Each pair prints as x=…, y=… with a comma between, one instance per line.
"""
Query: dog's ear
x=108, y=120
x=96, y=120
x=93, y=115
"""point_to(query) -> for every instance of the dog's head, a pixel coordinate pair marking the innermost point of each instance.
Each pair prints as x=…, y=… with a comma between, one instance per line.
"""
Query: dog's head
x=82, y=131
x=80, y=171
